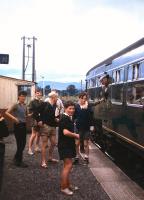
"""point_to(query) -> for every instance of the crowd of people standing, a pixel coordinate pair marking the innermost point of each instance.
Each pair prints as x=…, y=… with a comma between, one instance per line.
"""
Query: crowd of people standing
x=73, y=122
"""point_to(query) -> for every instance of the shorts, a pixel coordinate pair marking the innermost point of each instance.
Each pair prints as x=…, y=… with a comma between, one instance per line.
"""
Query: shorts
x=84, y=134
x=35, y=126
x=47, y=131
x=67, y=153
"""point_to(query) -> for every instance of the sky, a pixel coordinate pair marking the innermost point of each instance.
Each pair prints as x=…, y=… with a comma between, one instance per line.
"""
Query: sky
x=72, y=35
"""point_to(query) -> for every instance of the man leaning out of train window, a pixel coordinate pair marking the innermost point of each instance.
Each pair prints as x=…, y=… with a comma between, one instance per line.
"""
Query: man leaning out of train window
x=104, y=80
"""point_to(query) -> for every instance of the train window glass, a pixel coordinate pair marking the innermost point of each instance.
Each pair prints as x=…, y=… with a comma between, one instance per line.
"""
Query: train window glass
x=141, y=70
x=118, y=76
x=121, y=75
x=88, y=83
x=93, y=82
x=135, y=73
x=135, y=94
x=97, y=82
x=114, y=76
x=117, y=93
x=130, y=73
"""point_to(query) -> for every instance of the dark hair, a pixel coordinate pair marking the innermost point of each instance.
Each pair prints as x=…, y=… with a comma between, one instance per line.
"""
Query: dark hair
x=68, y=103
x=22, y=93
x=38, y=90
x=82, y=94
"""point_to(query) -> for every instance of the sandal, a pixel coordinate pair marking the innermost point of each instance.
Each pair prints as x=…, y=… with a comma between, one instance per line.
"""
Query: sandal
x=67, y=191
x=53, y=160
x=73, y=188
x=44, y=165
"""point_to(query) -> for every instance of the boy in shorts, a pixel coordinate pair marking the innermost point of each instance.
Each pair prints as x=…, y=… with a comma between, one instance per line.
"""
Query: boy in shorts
x=66, y=146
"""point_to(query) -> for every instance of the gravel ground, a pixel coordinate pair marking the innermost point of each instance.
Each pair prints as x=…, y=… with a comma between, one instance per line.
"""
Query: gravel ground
x=36, y=183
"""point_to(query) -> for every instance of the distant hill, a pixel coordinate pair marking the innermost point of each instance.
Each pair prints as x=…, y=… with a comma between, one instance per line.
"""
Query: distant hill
x=59, y=85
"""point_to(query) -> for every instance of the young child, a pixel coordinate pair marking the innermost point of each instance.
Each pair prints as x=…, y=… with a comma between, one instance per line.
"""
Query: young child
x=66, y=146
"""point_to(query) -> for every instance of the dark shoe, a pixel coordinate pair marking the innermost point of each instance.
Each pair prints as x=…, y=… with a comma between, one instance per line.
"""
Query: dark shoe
x=76, y=161
x=24, y=165
x=16, y=163
x=21, y=164
x=86, y=160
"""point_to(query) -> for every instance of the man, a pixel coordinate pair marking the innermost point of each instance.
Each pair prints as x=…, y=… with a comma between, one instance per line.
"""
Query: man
x=34, y=109
x=104, y=97
x=48, y=125
x=17, y=113
x=104, y=80
x=59, y=105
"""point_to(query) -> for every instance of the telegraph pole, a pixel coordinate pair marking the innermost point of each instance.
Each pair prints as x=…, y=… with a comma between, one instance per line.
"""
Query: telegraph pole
x=33, y=62
x=23, y=59
x=26, y=43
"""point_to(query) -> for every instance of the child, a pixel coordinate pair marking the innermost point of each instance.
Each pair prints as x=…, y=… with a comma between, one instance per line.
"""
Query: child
x=66, y=146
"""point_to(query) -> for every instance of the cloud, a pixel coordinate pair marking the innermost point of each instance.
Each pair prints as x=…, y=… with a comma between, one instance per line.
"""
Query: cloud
x=72, y=36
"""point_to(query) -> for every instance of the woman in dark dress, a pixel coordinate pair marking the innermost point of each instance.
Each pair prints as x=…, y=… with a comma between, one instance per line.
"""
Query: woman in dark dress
x=66, y=146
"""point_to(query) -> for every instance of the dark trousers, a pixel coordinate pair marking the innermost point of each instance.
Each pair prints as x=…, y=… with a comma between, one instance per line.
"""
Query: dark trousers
x=20, y=136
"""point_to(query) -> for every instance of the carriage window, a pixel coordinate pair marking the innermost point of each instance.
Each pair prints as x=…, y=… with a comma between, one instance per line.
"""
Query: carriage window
x=97, y=82
x=114, y=77
x=117, y=93
x=141, y=70
x=135, y=94
x=121, y=75
x=89, y=84
x=130, y=73
x=133, y=72
x=118, y=75
x=93, y=82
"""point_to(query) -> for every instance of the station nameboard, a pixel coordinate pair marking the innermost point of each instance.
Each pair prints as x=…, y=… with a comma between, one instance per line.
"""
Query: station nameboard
x=4, y=58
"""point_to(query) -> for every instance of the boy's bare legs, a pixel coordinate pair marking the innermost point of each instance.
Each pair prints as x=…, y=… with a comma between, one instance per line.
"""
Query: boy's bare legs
x=37, y=142
x=86, y=148
x=65, y=183
x=31, y=140
x=51, y=148
x=43, y=151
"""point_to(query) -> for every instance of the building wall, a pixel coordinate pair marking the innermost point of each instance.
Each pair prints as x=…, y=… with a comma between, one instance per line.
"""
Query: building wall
x=9, y=91
x=9, y=96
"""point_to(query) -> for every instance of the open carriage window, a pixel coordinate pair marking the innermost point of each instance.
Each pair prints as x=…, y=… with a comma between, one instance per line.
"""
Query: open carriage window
x=93, y=82
x=135, y=94
x=133, y=72
x=117, y=93
x=141, y=70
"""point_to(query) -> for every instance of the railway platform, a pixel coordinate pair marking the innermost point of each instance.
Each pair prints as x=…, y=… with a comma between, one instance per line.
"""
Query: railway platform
x=100, y=180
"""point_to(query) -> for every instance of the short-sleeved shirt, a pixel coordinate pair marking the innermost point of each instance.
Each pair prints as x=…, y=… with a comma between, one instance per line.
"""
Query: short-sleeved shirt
x=66, y=144
x=34, y=107
x=19, y=111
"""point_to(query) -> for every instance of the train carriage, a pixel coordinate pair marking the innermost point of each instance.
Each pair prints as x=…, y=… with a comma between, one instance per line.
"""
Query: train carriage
x=122, y=114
